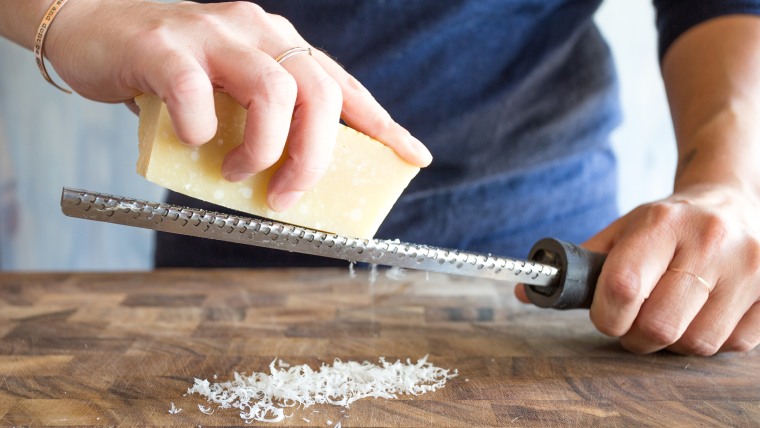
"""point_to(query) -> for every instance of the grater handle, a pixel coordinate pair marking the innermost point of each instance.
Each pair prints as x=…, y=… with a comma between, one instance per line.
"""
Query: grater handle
x=579, y=271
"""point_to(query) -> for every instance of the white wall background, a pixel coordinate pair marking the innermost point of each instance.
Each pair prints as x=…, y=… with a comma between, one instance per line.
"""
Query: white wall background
x=57, y=140
x=645, y=144
x=54, y=140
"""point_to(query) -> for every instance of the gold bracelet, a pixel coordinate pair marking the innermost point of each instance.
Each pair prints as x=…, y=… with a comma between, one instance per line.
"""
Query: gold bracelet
x=40, y=40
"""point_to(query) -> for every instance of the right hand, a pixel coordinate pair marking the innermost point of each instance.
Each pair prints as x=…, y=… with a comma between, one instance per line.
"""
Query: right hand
x=113, y=51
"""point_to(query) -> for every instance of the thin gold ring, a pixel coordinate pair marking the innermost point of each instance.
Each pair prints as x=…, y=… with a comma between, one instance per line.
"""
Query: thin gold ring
x=291, y=52
x=699, y=278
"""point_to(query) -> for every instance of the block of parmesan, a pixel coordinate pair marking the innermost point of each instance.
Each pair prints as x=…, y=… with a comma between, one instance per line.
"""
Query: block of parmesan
x=361, y=185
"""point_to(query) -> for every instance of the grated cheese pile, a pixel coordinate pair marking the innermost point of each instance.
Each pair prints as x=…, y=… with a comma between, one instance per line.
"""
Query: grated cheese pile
x=263, y=397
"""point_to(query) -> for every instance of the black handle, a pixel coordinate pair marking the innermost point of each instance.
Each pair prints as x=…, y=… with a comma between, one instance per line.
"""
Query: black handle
x=579, y=271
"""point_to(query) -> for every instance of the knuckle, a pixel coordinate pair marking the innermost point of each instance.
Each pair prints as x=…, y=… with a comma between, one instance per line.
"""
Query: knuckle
x=158, y=34
x=660, y=331
x=244, y=9
x=663, y=212
x=714, y=232
x=272, y=29
x=186, y=85
x=257, y=159
x=157, y=39
x=277, y=87
x=355, y=85
x=608, y=326
x=354, y=89
x=741, y=345
x=381, y=120
x=328, y=91
x=700, y=346
x=309, y=170
x=209, y=23
x=664, y=217
x=283, y=24
x=624, y=286
x=252, y=22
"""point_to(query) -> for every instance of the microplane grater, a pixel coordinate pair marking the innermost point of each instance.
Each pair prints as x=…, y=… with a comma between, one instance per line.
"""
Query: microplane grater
x=281, y=236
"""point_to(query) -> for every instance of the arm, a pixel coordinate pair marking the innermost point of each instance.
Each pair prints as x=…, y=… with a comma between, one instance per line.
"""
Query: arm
x=112, y=51
x=710, y=226
x=19, y=20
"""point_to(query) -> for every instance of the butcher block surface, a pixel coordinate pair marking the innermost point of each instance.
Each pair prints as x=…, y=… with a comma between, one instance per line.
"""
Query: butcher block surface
x=119, y=348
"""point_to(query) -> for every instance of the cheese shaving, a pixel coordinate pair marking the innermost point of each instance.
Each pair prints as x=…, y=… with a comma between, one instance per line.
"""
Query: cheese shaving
x=372, y=274
x=263, y=397
x=205, y=410
x=395, y=273
x=174, y=410
x=351, y=270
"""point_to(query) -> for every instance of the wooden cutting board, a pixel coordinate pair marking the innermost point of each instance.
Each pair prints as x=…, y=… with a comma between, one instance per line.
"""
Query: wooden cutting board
x=118, y=349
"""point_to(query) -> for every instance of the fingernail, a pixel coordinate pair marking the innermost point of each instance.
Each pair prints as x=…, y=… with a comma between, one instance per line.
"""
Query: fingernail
x=424, y=154
x=283, y=201
x=234, y=177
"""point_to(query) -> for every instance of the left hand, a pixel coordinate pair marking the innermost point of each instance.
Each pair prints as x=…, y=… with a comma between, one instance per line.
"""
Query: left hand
x=651, y=292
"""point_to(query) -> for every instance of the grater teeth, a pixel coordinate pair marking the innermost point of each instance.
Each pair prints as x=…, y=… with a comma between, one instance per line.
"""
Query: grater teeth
x=281, y=236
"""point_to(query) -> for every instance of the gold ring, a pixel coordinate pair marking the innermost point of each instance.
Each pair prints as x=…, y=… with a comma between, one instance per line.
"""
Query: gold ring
x=291, y=52
x=699, y=278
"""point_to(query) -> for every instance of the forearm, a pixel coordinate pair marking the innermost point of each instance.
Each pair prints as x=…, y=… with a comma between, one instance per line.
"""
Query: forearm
x=711, y=76
x=19, y=20
x=682, y=273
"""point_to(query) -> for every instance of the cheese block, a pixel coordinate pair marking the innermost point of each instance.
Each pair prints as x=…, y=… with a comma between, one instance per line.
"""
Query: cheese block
x=361, y=185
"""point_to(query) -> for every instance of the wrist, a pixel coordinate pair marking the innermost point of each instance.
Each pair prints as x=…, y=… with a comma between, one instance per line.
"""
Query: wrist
x=39, y=43
x=59, y=36
x=722, y=152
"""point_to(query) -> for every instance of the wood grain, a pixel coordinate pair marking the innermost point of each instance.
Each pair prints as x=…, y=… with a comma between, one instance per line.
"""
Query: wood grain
x=119, y=348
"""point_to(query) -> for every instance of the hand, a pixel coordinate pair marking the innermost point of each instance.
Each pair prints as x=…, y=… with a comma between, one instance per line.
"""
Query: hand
x=113, y=51
x=650, y=292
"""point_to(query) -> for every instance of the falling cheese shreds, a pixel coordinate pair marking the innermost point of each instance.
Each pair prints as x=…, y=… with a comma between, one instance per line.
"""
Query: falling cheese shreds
x=372, y=274
x=205, y=410
x=263, y=397
x=174, y=410
x=395, y=273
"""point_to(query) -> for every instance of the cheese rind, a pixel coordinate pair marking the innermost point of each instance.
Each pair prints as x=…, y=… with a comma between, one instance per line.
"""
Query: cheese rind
x=363, y=181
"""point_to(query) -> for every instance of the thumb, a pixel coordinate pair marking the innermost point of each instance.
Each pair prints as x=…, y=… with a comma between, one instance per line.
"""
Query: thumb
x=520, y=293
x=604, y=240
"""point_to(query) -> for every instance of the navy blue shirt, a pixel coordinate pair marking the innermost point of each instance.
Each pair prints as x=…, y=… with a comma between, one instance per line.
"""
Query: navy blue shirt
x=514, y=98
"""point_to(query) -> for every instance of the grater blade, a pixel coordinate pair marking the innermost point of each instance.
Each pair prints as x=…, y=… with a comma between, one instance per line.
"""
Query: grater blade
x=271, y=234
